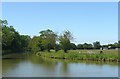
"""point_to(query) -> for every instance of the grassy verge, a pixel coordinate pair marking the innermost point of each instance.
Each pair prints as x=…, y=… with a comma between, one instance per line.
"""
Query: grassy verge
x=108, y=55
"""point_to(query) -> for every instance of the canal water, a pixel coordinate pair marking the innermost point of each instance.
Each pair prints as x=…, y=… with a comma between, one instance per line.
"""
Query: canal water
x=30, y=65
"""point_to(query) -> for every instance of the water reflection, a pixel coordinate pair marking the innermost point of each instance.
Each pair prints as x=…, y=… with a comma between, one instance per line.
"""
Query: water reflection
x=65, y=67
x=29, y=65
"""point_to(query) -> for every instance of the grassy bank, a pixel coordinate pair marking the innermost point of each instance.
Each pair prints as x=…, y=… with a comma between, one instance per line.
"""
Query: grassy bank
x=108, y=55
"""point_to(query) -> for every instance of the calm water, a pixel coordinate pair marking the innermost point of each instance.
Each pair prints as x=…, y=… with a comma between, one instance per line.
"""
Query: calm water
x=26, y=65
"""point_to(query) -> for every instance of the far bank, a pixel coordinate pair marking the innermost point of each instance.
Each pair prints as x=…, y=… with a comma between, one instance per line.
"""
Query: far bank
x=93, y=55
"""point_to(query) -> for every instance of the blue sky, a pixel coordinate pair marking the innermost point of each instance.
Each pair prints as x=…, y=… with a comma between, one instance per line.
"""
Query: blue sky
x=88, y=21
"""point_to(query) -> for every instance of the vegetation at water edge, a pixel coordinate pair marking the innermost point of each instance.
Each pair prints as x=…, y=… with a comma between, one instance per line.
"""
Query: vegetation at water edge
x=108, y=55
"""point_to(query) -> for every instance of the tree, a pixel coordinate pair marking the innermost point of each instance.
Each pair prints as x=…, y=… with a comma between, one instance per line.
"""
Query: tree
x=119, y=43
x=12, y=41
x=65, y=40
x=73, y=46
x=87, y=46
x=80, y=46
x=24, y=41
x=3, y=23
x=104, y=46
x=96, y=45
x=49, y=39
x=35, y=44
x=8, y=36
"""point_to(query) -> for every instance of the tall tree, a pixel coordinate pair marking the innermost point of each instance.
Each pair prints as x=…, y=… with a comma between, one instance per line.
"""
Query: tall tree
x=35, y=44
x=12, y=41
x=49, y=39
x=65, y=40
x=24, y=41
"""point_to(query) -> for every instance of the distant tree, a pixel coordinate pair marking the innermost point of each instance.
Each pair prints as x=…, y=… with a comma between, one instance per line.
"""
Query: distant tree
x=73, y=46
x=24, y=41
x=87, y=46
x=96, y=45
x=80, y=46
x=119, y=43
x=116, y=44
x=104, y=45
x=90, y=46
x=49, y=39
x=35, y=44
x=65, y=40
x=113, y=46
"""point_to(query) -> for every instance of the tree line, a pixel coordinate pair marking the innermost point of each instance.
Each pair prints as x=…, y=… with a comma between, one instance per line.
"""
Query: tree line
x=12, y=41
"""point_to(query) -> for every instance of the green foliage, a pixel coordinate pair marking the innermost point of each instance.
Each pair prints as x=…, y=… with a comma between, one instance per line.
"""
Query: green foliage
x=65, y=40
x=0, y=34
x=80, y=46
x=57, y=47
x=87, y=46
x=25, y=41
x=104, y=46
x=112, y=46
x=35, y=44
x=12, y=41
x=49, y=39
x=73, y=46
x=74, y=55
x=96, y=45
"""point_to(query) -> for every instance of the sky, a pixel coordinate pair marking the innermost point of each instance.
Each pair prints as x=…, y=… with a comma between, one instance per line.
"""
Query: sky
x=87, y=21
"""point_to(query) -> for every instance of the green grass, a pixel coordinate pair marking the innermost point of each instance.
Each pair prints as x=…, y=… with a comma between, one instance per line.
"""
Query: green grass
x=108, y=55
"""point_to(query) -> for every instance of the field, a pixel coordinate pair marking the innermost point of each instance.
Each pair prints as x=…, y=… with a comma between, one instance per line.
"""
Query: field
x=107, y=55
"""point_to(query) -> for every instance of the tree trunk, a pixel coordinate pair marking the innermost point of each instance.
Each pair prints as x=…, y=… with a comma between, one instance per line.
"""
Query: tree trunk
x=65, y=50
